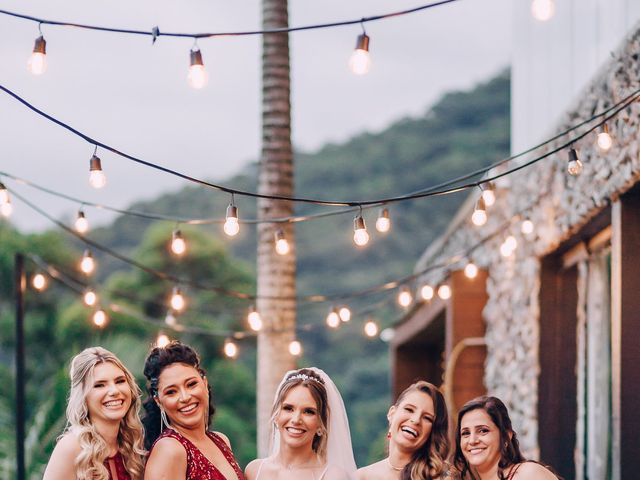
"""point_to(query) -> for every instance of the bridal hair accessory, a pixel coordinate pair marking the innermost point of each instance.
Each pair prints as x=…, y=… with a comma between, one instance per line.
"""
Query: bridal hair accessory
x=303, y=377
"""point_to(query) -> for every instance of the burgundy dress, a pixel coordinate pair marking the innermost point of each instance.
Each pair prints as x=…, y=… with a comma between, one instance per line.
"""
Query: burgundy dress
x=121, y=473
x=198, y=466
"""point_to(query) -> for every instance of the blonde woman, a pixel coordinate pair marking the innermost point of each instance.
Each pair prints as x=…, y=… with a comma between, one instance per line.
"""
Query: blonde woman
x=104, y=437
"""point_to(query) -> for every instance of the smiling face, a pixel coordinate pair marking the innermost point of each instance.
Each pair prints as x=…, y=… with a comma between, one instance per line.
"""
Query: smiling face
x=183, y=395
x=298, y=420
x=108, y=395
x=411, y=421
x=480, y=440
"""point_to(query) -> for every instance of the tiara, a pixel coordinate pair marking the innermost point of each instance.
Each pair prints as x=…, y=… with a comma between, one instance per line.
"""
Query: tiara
x=303, y=377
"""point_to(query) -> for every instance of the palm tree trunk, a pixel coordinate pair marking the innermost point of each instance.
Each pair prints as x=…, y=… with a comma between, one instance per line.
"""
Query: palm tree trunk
x=276, y=273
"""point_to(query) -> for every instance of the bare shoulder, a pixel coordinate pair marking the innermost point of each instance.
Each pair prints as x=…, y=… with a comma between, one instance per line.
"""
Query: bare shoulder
x=224, y=437
x=533, y=471
x=375, y=471
x=251, y=470
x=333, y=472
x=62, y=462
x=167, y=461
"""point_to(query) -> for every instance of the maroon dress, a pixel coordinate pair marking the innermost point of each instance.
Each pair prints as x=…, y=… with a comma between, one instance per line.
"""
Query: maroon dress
x=198, y=466
x=121, y=473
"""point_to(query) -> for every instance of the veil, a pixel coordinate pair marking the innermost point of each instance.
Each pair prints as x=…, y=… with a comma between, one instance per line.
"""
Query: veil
x=339, y=450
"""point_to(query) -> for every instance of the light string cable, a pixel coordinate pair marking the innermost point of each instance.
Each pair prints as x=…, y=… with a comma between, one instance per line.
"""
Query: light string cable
x=156, y=33
x=432, y=191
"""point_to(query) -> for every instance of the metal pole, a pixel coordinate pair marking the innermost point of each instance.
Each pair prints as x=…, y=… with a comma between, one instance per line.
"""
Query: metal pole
x=20, y=286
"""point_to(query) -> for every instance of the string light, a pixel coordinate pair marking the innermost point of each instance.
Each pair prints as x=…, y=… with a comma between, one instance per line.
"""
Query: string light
x=89, y=297
x=333, y=319
x=178, y=245
x=38, y=60
x=527, y=227
x=543, y=10
x=230, y=349
x=100, y=318
x=82, y=224
x=281, y=243
x=295, y=348
x=87, y=264
x=489, y=194
x=508, y=246
x=574, y=166
x=163, y=340
x=604, y=139
x=360, y=63
x=39, y=282
x=471, y=270
x=404, y=297
x=371, y=329
x=426, y=292
x=254, y=320
x=479, y=216
x=198, y=76
x=97, y=178
x=6, y=208
x=177, y=300
x=170, y=319
x=360, y=234
x=383, y=222
x=444, y=292
x=231, y=226
x=345, y=313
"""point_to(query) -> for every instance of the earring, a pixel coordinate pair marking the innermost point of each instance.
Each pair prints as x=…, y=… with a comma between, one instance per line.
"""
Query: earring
x=389, y=434
x=164, y=421
x=319, y=433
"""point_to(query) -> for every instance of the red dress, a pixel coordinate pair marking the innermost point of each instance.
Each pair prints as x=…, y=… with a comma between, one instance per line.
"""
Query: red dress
x=198, y=466
x=121, y=473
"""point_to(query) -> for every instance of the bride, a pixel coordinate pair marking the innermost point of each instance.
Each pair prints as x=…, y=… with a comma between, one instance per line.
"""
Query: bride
x=311, y=439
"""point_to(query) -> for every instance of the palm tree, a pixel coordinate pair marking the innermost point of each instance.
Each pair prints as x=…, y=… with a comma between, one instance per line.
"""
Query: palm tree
x=276, y=273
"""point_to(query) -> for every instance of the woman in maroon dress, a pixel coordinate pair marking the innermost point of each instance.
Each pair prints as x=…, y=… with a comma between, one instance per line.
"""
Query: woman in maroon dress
x=177, y=420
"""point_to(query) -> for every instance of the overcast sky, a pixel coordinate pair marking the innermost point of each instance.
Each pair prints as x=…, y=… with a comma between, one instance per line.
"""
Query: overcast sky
x=134, y=96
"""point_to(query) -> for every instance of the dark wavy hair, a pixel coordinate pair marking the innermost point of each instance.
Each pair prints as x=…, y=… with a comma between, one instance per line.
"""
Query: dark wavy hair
x=158, y=359
x=428, y=461
x=509, y=446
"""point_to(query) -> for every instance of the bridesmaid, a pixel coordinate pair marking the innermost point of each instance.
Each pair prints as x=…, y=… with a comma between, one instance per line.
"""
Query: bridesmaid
x=418, y=438
x=103, y=438
x=178, y=413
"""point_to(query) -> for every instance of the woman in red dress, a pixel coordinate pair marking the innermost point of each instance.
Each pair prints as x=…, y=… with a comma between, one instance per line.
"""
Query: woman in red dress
x=178, y=413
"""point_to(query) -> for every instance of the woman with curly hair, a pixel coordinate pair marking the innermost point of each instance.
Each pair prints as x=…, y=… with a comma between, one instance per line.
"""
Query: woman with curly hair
x=418, y=438
x=487, y=448
x=103, y=438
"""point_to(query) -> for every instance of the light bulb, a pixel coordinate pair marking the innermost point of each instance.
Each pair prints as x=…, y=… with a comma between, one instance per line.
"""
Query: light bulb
x=371, y=329
x=574, y=166
x=255, y=320
x=89, y=298
x=333, y=319
x=479, y=216
x=383, y=222
x=97, y=178
x=404, y=297
x=4, y=194
x=444, y=292
x=198, y=76
x=387, y=334
x=231, y=225
x=87, y=264
x=527, y=227
x=505, y=250
x=344, y=313
x=543, y=10
x=295, y=348
x=489, y=194
x=100, y=318
x=170, y=319
x=470, y=270
x=360, y=63
x=81, y=225
x=39, y=282
x=163, y=340
x=604, y=139
x=38, y=60
x=178, y=245
x=230, y=349
x=282, y=245
x=177, y=300
x=426, y=292
x=511, y=242
x=6, y=209
x=360, y=235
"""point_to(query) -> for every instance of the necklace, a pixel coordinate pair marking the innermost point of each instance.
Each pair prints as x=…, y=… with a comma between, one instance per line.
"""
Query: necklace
x=392, y=466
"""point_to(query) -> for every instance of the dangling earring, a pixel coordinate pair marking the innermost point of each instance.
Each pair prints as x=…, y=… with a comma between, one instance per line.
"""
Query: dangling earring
x=389, y=434
x=164, y=421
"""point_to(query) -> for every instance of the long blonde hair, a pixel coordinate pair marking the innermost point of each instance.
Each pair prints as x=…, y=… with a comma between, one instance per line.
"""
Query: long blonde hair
x=90, y=461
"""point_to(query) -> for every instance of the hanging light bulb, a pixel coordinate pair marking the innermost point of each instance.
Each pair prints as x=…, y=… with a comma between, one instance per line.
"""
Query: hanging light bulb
x=360, y=235
x=404, y=297
x=254, y=319
x=489, y=194
x=508, y=246
x=604, y=139
x=97, y=178
x=471, y=270
x=163, y=340
x=383, y=223
x=444, y=292
x=89, y=297
x=479, y=216
x=527, y=227
x=6, y=208
x=282, y=245
x=177, y=300
x=426, y=292
x=81, y=225
x=295, y=348
x=371, y=329
x=230, y=349
x=38, y=60
x=39, y=282
x=100, y=318
x=170, y=319
x=231, y=225
x=344, y=313
x=87, y=264
x=543, y=10
x=360, y=63
x=574, y=167
x=178, y=245
x=198, y=76
x=333, y=319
